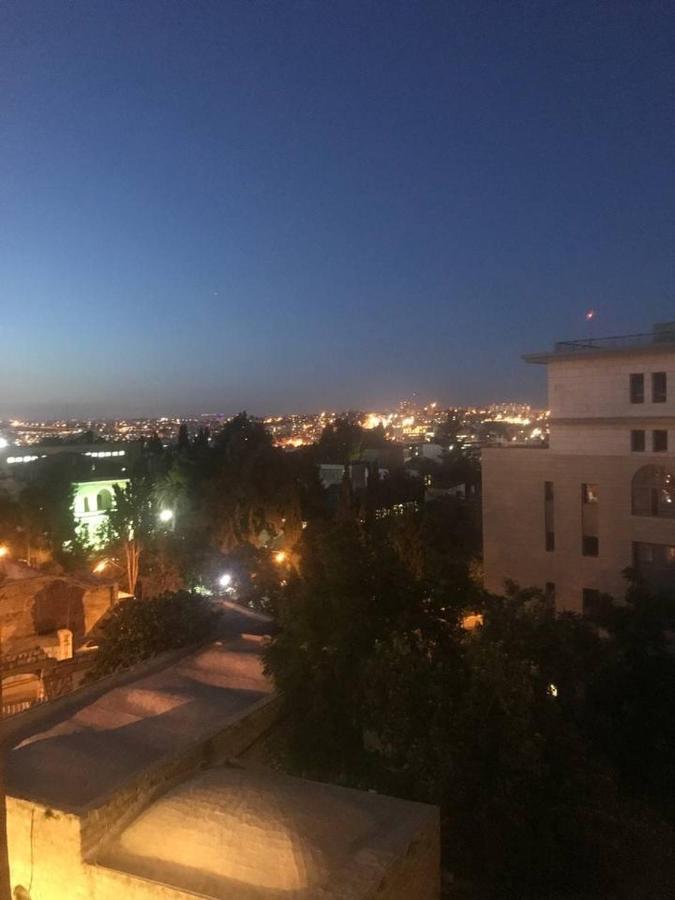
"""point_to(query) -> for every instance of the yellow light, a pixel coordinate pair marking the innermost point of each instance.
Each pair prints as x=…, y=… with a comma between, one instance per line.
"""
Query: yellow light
x=280, y=557
x=100, y=566
x=4, y=551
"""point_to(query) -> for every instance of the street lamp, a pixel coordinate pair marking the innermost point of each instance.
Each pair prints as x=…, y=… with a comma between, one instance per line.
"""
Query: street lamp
x=280, y=557
x=4, y=551
x=166, y=515
x=225, y=580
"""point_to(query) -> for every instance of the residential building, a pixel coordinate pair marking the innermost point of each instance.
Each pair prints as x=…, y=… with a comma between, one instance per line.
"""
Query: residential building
x=45, y=622
x=91, y=502
x=570, y=518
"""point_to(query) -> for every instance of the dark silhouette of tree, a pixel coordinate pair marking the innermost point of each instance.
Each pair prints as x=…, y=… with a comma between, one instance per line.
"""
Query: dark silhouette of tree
x=130, y=522
x=183, y=438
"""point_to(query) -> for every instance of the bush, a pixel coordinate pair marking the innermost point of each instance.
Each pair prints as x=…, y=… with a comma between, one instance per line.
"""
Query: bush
x=139, y=629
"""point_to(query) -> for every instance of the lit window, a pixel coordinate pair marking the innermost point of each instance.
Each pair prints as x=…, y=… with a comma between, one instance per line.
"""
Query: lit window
x=589, y=493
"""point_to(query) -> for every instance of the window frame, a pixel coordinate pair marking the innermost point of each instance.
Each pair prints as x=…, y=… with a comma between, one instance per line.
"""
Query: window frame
x=663, y=435
x=660, y=392
x=635, y=432
x=637, y=387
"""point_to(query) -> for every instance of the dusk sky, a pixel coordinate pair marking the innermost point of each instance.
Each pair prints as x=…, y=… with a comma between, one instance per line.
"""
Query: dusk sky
x=295, y=206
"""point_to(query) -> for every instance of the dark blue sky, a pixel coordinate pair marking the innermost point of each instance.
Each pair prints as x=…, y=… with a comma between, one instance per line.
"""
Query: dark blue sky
x=283, y=206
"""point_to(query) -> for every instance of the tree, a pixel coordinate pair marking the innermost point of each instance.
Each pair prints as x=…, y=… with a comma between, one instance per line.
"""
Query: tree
x=183, y=438
x=130, y=521
x=138, y=629
x=384, y=688
x=341, y=441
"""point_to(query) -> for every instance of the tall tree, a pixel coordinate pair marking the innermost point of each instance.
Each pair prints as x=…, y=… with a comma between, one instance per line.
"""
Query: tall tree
x=130, y=521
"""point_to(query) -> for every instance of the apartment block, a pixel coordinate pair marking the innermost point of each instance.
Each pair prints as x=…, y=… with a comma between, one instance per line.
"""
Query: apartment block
x=571, y=517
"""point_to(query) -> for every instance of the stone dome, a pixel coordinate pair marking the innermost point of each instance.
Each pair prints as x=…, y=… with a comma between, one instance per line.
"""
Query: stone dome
x=231, y=832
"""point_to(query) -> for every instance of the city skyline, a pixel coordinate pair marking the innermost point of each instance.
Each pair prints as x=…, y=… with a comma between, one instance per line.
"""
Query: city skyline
x=302, y=206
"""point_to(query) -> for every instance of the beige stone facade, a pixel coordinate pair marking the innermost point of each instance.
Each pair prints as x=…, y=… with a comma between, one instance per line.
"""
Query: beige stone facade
x=601, y=498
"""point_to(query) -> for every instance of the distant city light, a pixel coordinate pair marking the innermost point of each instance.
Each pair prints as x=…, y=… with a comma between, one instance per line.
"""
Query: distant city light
x=166, y=515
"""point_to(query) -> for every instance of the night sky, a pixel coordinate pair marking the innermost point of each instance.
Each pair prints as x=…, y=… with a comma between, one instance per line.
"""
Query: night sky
x=289, y=206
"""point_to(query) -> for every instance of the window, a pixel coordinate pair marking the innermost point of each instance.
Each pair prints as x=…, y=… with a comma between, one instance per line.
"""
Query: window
x=85, y=504
x=656, y=564
x=658, y=387
x=637, y=441
x=637, y=388
x=549, y=532
x=589, y=545
x=590, y=601
x=659, y=441
x=549, y=593
x=104, y=500
x=653, y=492
x=589, y=493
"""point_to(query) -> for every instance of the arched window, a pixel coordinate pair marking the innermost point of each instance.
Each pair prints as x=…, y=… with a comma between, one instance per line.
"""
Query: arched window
x=653, y=492
x=104, y=499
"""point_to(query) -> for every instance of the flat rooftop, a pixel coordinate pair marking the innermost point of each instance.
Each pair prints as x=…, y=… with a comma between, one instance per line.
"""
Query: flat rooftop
x=77, y=756
x=661, y=339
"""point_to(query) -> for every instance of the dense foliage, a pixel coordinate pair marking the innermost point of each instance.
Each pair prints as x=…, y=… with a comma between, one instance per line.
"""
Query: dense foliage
x=528, y=730
x=138, y=629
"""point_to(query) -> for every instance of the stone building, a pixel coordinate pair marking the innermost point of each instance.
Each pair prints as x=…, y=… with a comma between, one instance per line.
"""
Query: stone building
x=136, y=787
x=44, y=620
x=572, y=517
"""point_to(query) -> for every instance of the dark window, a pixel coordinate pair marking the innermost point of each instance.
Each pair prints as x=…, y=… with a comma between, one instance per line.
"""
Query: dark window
x=549, y=526
x=653, y=492
x=637, y=441
x=549, y=593
x=637, y=388
x=659, y=441
x=590, y=599
x=658, y=387
x=656, y=564
x=104, y=500
x=589, y=493
x=589, y=545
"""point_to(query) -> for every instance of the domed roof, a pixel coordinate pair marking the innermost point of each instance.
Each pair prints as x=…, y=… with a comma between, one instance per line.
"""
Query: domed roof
x=230, y=832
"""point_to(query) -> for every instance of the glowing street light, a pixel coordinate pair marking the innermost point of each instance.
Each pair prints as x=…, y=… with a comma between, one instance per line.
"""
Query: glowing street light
x=225, y=580
x=166, y=515
x=280, y=557
x=4, y=551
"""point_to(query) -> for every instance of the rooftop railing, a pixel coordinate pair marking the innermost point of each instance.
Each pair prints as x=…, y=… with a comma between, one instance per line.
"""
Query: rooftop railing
x=615, y=342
